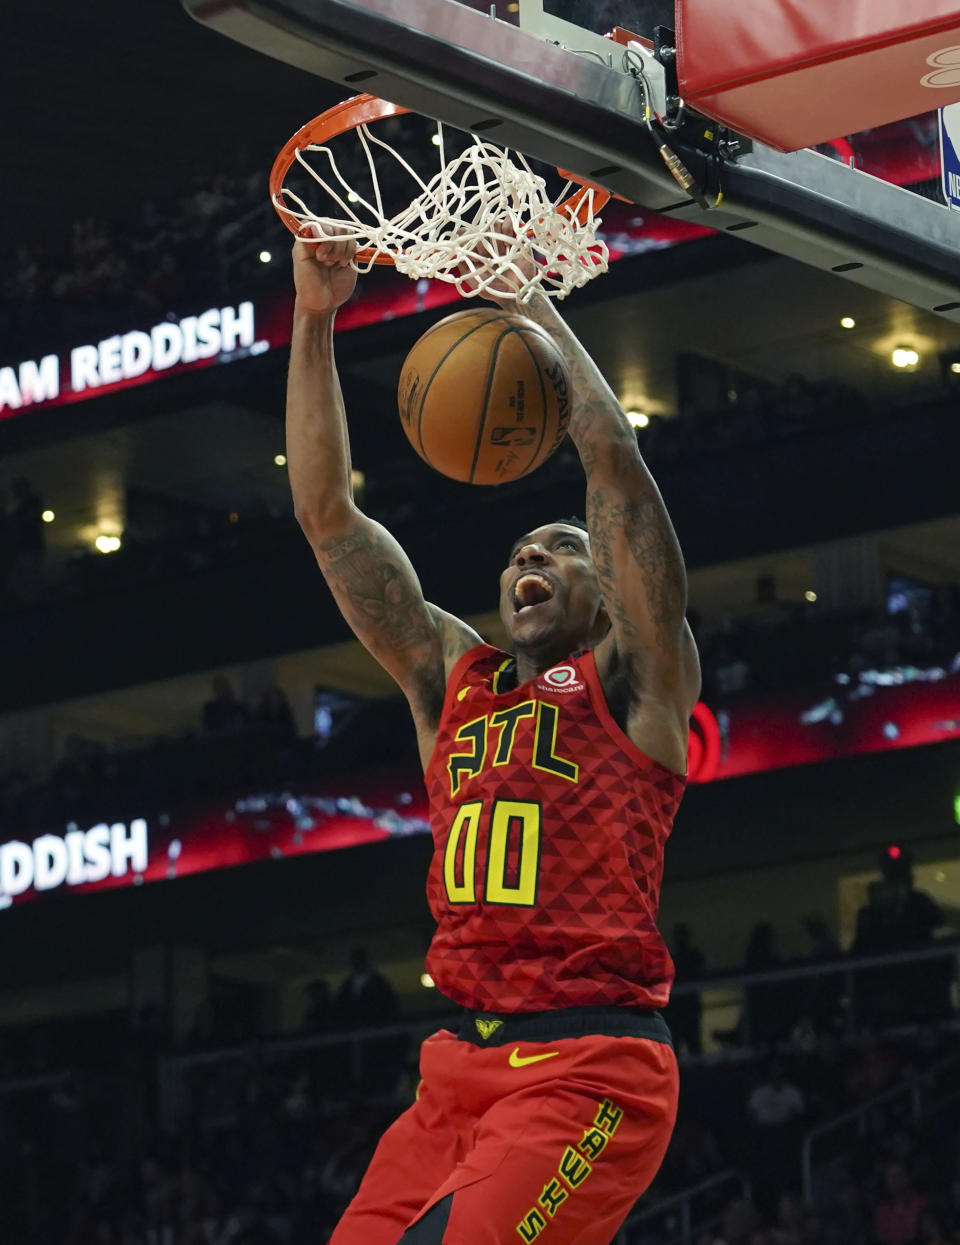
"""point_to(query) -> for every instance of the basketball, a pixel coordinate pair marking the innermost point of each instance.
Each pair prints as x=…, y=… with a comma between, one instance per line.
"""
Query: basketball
x=484, y=396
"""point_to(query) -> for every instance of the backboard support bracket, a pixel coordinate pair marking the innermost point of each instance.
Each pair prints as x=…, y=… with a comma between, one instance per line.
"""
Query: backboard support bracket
x=471, y=71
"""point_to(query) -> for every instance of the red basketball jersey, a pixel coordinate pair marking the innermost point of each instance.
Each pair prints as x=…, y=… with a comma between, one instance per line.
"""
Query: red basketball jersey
x=549, y=827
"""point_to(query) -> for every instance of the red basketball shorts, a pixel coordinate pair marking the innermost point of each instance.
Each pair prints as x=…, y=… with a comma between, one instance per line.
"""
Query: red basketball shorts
x=547, y=1141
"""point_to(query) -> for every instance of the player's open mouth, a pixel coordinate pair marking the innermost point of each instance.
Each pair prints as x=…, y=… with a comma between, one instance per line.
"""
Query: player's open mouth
x=530, y=590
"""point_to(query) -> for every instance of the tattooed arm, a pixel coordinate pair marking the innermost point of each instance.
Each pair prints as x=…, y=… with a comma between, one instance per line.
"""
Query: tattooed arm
x=368, y=573
x=650, y=648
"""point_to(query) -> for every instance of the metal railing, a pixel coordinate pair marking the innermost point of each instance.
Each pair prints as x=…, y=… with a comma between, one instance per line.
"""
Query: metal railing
x=849, y=976
x=23, y=1084
x=174, y=1069
x=844, y=970
x=913, y=1095
x=676, y=1215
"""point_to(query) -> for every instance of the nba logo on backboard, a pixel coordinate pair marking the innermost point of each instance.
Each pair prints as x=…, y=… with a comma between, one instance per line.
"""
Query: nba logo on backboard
x=562, y=679
x=950, y=153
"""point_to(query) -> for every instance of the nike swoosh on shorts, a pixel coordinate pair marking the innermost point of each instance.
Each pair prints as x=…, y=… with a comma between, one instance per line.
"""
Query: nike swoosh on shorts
x=520, y=1061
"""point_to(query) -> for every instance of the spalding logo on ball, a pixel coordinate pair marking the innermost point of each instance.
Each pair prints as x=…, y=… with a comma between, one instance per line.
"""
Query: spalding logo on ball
x=407, y=393
x=484, y=396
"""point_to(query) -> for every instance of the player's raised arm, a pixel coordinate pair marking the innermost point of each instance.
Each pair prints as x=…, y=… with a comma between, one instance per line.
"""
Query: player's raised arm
x=634, y=547
x=368, y=573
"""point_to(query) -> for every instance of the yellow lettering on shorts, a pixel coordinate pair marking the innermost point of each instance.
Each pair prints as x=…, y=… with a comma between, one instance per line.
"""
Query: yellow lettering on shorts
x=531, y=1225
x=576, y=1164
x=592, y=1142
x=574, y=1168
x=553, y=1197
x=608, y=1117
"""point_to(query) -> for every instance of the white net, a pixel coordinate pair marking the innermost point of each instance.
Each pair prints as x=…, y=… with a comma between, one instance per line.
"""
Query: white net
x=484, y=222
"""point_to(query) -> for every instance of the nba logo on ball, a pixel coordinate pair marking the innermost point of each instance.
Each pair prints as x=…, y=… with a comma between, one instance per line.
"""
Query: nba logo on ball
x=561, y=679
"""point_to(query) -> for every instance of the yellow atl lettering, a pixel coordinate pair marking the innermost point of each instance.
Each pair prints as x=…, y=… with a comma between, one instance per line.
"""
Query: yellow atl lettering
x=496, y=733
x=472, y=762
x=506, y=720
x=572, y=1170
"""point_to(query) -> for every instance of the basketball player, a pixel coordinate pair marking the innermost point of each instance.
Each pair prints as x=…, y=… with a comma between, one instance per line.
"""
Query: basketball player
x=553, y=776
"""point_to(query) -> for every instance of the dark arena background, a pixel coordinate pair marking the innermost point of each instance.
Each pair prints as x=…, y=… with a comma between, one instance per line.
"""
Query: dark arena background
x=213, y=827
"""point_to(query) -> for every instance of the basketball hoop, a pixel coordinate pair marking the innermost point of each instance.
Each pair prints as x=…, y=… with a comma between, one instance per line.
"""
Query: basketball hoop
x=485, y=217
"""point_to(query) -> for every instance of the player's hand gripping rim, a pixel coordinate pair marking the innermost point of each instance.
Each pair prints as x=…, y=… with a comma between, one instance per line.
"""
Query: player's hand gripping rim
x=323, y=270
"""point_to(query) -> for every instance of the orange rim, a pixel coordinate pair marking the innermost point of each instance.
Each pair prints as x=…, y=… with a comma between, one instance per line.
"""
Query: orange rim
x=364, y=109
x=358, y=110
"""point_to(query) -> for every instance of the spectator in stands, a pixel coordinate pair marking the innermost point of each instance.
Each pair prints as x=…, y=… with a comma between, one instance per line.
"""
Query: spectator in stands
x=365, y=997
x=250, y=1226
x=823, y=945
x=791, y=1222
x=848, y=1216
x=897, y=917
x=931, y=1229
x=740, y=1223
x=872, y=1067
x=25, y=532
x=223, y=714
x=822, y=997
x=7, y=550
x=164, y=285
x=775, y=1110
x=761, y=953
x=824, y=1077
x=318, y=1013
x=684, y=1012
x=273, y=715
x=765, y=1018
x=79, y=771
x=895, y=1221
x=775, y=1102
x=731, y=673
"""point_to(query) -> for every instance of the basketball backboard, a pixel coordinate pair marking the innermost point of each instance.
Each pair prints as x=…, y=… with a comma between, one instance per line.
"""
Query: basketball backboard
x=577, y=105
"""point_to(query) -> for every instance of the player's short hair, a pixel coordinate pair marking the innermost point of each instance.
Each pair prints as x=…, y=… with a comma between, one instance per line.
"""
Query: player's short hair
x=575, y=521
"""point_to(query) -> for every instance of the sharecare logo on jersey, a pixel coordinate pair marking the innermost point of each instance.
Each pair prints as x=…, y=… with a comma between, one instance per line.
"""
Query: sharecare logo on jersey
x=78, y=856
x=561, y=679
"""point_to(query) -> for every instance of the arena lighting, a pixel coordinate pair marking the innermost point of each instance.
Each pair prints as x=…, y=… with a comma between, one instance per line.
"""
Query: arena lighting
x=48, y=516
x=435, y=139
x=955, y=367
x=107, y=544
x=810, y=596
x=848, y=322
x=637, y=419
x=280, y=460
x=357, y=479
x=894, y=852
x=427, y=981
x=905, y=356
x=265, y=257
